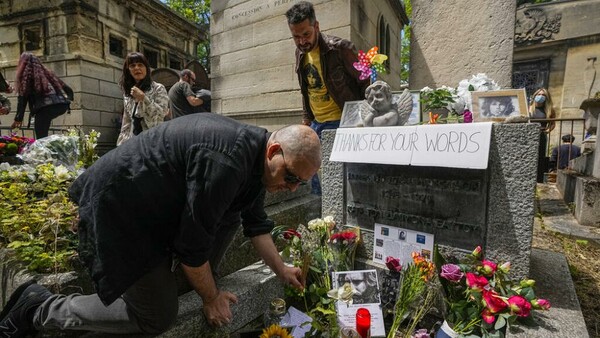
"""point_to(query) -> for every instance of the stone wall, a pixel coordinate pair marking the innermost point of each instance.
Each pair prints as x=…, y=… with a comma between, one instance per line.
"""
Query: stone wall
x=452, y=40
x=75, y=40
x=252, y=61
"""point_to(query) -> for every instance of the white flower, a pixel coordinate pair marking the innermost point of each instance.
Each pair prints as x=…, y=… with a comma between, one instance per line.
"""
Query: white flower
x=329, y=221
x=61, y=172
x=426, y=89
x=4, y=166
x=478, y=83
x=344, y=293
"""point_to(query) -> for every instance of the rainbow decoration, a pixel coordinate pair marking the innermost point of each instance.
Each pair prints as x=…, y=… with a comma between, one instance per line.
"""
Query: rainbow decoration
x=370, y=64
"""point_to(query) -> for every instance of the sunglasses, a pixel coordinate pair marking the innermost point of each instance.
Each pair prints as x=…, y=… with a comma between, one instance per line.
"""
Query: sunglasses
x=289, y=177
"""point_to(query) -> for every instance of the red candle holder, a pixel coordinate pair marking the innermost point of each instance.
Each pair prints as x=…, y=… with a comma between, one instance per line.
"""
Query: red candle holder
x=363, y=322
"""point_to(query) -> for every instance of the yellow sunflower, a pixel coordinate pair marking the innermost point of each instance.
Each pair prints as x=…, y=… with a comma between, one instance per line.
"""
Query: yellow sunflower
x=275, y=331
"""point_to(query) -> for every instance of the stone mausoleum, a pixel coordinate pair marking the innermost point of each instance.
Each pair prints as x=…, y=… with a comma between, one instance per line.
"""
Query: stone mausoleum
x=85, y=42
x=252, y=60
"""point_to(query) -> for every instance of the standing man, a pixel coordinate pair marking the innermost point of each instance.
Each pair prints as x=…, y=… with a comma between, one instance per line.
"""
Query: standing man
x=325, y=68
x=176, y=189
x=182, y=100
x=563, y=154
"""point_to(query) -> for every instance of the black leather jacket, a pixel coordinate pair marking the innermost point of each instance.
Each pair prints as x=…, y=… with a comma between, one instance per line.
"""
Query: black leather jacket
x=341, y=78
x=37, y=102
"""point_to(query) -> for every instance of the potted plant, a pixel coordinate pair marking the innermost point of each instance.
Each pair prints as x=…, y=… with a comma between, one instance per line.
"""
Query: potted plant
x=481, y=300
x=437, y=101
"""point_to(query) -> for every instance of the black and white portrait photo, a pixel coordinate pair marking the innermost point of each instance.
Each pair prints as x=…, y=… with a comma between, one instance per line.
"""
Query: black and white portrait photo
x=364, y=282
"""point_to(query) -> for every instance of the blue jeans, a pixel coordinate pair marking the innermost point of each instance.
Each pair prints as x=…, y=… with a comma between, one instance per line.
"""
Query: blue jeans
x=318, y=127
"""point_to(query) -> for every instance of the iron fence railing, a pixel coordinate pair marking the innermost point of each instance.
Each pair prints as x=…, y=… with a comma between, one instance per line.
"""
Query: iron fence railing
x=563, y=126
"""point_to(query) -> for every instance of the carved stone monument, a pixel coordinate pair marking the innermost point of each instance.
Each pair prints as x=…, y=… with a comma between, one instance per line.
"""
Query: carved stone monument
x=591, y=108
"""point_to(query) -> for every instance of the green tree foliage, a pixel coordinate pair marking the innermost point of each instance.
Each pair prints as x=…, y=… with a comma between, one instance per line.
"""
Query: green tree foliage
x=197, y=11
x=405, y=50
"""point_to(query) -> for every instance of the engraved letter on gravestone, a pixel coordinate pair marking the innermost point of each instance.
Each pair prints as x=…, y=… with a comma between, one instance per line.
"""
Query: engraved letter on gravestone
x=449, y=203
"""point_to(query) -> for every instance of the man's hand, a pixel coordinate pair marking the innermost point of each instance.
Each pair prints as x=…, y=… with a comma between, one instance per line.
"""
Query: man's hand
x=306, y=122
x=292, y=276
x=16, y=125
x=4, y=111
x=217, y=311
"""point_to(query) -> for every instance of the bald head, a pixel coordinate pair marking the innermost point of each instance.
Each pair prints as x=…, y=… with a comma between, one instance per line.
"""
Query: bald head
x=293, y=156
x=299, y=142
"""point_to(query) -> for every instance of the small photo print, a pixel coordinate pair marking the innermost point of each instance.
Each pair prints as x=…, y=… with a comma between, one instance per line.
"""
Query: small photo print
x=378, y=255
x=385, y=231
x=426, y=253
x=379, y=242
x=421, y=239
x=402, y=235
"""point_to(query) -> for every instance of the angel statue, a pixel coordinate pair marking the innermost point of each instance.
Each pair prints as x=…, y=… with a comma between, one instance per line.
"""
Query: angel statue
x=381, y=108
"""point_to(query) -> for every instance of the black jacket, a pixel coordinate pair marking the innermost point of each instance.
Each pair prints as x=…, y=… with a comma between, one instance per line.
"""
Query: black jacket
x=38, y=101
x=165, y=191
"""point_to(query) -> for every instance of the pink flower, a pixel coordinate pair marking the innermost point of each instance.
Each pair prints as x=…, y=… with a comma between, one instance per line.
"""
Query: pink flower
x=493, y=301
x=488, y=268
x=519, y=306
x=487, y=316
x=421, y=333
x=452, y=273
x=477, y=251
x=540, y=304
x=505, y=267
x=476, y=282
x=467, y=116
x=393, y=264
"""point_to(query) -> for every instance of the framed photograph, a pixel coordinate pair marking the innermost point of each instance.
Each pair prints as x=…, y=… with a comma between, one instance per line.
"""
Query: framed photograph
x=415, y=115
x=497, y=105
x=351, y=114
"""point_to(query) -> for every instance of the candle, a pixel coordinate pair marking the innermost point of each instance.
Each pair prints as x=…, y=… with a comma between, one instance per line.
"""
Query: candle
x=363, y=322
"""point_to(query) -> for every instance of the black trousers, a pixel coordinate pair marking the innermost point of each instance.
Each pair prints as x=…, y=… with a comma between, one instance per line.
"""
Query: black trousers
x=44, y=117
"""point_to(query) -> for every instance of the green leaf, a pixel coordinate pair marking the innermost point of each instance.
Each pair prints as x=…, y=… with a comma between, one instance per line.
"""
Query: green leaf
x=500, y=323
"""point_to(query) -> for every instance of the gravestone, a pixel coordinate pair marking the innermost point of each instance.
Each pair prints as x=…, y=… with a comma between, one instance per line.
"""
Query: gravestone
x=463, y=208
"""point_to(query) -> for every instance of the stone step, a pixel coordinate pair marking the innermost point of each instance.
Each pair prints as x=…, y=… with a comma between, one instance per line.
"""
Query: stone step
x=553, y=279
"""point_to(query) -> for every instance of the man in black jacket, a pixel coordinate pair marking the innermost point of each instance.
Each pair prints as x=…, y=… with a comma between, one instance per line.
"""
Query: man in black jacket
x=177, y=189
x=325, y=68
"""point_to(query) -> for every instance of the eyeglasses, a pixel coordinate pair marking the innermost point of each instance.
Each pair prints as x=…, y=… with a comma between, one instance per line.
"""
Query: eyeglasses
x=289, y=177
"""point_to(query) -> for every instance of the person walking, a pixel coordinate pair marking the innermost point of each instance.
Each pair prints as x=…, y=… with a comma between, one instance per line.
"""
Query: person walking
x=38, y=87
x=182, y=99
x=180, y=189
x=326, y=73
x=562, y=155
x=145, y=102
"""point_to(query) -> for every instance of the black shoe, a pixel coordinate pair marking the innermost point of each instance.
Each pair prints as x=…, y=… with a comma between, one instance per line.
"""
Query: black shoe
x=18, y=322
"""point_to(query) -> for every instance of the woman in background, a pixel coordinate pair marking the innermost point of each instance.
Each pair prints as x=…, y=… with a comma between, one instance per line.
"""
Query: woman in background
x=39, y=87
x=542, y=108
x=146, y=102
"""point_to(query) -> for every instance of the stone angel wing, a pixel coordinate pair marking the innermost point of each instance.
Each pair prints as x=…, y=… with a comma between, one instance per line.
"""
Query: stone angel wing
x=404, y=104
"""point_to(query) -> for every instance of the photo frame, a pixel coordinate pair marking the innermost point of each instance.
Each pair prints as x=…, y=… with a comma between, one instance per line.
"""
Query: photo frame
x=498, y=105
x=351, y=114
x=416, y=114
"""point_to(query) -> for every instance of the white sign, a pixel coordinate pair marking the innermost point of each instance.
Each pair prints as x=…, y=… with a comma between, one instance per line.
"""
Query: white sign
x=400, y=243
x=459, y=145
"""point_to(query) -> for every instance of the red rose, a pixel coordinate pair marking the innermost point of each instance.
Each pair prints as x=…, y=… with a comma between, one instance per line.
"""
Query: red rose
x=393, y=264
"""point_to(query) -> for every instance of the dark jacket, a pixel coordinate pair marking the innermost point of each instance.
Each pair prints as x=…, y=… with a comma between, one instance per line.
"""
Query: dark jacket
x=37, y=102
x=341, y=78
x=166, y=191
x=567, y=152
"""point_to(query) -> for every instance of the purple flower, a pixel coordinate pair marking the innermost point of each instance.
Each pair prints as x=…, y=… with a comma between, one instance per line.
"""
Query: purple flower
x=451, y=272
x=421, y=333
x=467, y=116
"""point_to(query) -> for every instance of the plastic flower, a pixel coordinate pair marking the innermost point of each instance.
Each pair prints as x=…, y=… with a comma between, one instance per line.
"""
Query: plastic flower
x=343, y=293
x=476, y=282
x=452, y=273
x=393, y=264
x=275, y=331
x=519, y=306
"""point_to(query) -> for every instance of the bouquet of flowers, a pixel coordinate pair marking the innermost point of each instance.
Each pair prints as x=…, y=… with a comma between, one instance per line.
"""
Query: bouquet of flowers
x=480, y=297
x=13, y=144
x=319, y=248
x=477, y=83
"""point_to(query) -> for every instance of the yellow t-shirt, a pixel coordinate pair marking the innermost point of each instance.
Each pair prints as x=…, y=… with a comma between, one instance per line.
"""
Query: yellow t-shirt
x=322, y=104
